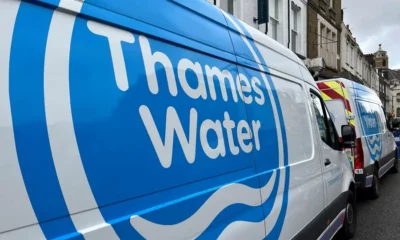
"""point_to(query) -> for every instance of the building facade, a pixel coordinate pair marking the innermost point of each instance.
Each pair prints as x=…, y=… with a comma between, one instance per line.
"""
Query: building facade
x=352, y=57
x=380, y=61
x=394, y=85
x=324, y=18
x=287, y=20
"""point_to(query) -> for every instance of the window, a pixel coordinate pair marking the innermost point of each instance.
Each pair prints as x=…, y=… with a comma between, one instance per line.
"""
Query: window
x=334, y=50
x=331, y=3
x=295, y=20
x=322, y=36
x=328, y=46
x=398, y=112
x=384, y=63
x=325, y=125
x=348, y=53
x=274, y=18
x=226, y=5
x=319, y=114
x=372, y=117
x=331, y=130
x=328, y=42
x=352, y=58
x=231, y=6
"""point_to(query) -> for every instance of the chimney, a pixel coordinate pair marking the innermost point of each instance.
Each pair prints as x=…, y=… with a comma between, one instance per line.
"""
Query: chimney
x=348, y=27
x=355, y=39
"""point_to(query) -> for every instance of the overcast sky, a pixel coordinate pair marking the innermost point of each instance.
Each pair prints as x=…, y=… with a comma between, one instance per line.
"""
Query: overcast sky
x=375, y=22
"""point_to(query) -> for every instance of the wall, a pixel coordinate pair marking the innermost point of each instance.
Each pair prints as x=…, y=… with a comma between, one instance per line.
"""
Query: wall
x=352, y=58
x=312, y=37
x=320, y=12
x=248, y=10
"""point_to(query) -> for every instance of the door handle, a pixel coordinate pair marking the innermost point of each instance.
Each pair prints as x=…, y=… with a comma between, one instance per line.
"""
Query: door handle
x=327, y=162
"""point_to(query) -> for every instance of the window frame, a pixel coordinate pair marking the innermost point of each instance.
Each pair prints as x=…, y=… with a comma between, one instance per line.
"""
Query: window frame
x=295, y=36
x=237, y=6
x=274, y=16
x=334, y=145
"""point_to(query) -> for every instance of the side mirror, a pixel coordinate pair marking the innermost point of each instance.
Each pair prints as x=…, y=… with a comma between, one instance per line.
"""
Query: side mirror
x=348, y=136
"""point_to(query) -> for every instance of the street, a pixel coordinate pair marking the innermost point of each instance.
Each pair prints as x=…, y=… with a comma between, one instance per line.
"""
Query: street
x=380, y=219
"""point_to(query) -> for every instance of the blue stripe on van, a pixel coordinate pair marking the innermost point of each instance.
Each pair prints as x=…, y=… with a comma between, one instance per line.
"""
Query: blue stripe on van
x=274, y=234
x=29, y=120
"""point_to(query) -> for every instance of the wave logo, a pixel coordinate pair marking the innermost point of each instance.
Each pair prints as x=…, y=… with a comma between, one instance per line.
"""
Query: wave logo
x=374, y=143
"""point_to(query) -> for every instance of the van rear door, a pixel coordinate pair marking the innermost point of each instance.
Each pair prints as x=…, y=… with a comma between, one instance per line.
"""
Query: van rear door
x=336, y=98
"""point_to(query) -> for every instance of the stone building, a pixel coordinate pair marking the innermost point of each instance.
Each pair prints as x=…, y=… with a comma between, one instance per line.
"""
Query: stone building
x=324, y=19
x=355, y=65
x=380, y=61
x=394, y=84
x=287, y=19
x=352, y=57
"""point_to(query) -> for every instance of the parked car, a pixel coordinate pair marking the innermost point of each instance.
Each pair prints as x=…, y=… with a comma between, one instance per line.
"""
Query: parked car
x=161, y=120
x=375, y=150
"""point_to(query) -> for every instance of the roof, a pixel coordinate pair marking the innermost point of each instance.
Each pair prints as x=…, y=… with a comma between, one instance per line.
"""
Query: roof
x=394, y=74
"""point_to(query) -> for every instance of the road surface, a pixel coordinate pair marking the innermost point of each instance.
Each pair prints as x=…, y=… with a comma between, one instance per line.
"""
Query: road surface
x=380, y=219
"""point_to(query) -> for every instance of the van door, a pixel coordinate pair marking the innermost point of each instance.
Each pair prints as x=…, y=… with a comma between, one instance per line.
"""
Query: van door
x=337, y=100
x=332, y=159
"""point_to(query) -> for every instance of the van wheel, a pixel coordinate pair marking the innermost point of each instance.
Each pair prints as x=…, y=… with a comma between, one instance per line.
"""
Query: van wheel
x=395, y=168
x=350, y=218
x=375, y=188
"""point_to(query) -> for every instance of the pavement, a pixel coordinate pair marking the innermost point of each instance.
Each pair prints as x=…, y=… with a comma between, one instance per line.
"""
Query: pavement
x=380, y=219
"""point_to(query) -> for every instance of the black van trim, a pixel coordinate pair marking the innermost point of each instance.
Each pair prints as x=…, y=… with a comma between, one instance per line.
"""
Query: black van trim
x=324, y=219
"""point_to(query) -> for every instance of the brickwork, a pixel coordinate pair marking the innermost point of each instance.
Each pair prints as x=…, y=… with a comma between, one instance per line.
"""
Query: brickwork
x=312, y=30
x=333, y=16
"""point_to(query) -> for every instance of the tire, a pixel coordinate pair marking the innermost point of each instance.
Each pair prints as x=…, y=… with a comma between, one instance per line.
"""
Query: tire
x=374, y=190
x=350, y=218
x=395, y=168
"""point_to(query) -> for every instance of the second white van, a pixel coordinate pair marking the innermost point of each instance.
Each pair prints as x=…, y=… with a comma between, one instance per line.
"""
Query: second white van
x=375, y=152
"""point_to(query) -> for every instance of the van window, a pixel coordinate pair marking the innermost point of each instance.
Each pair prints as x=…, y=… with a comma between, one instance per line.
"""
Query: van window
x=371, y=118
x=319, y=114
x=331, y=129
x=297, y=122
x=383, y=119
x=326, y=127
x=336, y=109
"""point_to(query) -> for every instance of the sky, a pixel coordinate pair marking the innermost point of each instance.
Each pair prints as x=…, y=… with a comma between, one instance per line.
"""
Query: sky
x=374, y=22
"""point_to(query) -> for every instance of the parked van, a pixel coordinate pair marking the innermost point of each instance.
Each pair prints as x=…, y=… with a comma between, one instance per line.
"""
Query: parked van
x=161, y=120
x=375, y=151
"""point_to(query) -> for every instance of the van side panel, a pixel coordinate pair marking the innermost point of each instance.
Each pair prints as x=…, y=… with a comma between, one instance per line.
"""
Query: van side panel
x=303, y=166
x=15, y=206
x=141, y=133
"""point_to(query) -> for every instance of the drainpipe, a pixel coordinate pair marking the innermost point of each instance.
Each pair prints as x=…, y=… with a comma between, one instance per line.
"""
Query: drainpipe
x=288, y=5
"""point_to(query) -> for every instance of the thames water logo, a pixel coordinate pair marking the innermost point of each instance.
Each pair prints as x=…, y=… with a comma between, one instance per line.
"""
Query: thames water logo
x=371, y=124
x=157, y=133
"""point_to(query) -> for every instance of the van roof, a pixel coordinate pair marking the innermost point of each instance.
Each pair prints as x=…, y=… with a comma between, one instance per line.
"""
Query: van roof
x=359, y=90
x=350, y=84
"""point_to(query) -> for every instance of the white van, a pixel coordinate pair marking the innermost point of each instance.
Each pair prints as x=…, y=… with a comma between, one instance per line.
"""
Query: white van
x=161, y=120
x=375, y=151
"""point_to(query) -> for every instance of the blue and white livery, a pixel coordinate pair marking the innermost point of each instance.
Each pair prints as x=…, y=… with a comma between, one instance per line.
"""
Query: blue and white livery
x=159, y=120
x=375, y=152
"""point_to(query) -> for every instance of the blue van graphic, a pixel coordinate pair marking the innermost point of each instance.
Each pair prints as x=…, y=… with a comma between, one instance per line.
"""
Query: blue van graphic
x=150, y=160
